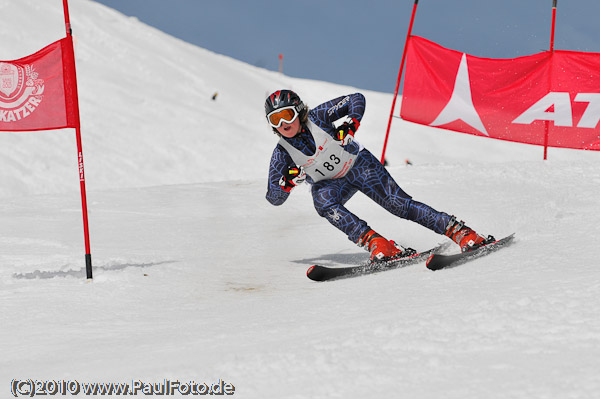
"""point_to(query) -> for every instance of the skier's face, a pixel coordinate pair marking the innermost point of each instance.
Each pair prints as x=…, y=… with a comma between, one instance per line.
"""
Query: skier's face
x=289, y=130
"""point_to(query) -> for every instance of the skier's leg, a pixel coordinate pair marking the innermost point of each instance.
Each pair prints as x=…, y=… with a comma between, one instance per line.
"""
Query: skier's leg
x=329, y=197
x=371, y=177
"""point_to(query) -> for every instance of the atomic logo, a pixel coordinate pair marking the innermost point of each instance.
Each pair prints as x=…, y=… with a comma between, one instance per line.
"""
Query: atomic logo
x=20, y=91
x=460, y=106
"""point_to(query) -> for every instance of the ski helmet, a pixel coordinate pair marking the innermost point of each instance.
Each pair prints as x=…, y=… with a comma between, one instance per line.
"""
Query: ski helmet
x=285, y=98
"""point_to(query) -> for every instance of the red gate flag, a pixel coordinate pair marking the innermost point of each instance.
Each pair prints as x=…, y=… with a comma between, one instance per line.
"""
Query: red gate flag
x=507, y=99
x=39, y=92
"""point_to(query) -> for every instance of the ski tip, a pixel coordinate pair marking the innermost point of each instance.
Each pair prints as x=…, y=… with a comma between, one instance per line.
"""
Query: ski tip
x=429, y=260
x=433, y=263
x=315, y=273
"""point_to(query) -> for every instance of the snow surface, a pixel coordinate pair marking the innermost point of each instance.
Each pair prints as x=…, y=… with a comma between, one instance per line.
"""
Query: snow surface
x=198, y=278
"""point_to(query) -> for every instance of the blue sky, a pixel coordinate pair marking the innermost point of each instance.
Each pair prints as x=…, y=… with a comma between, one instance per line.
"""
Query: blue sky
x=359, y=43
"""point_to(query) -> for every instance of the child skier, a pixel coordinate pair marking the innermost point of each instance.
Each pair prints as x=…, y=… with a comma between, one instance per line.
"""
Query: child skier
x=311, y=148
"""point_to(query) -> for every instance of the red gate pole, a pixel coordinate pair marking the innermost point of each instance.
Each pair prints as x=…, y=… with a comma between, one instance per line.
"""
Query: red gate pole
x=554, y=2
x=86, y=230
x=280, y=63
x=547, y=124
x=387, y=133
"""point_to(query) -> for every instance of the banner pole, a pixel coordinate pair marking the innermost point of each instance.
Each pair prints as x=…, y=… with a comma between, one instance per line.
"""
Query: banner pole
x=554, y=3
x=387, y=133
x=86, y=230
x=547, y=124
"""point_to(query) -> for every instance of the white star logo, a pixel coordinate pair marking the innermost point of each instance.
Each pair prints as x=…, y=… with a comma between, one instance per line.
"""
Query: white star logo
x=460, y=106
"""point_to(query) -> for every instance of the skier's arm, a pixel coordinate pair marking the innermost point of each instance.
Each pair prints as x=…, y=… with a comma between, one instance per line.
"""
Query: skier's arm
x=351, y=106
x=280, y=160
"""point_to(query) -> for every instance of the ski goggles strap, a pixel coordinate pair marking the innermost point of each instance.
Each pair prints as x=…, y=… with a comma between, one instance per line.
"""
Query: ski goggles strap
x=285, y=114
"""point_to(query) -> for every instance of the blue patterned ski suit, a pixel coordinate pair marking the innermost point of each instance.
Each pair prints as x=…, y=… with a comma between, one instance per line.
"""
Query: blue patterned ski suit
x=367, y=175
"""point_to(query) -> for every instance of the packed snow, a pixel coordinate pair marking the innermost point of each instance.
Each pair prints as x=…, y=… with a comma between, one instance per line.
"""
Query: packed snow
x=198, y=278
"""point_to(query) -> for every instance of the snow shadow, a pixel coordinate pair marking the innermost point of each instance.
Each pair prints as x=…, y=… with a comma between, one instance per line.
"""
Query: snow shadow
x=47, y=274
x=336, y=259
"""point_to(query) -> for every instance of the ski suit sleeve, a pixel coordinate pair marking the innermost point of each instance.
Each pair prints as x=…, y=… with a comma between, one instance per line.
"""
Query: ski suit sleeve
x=352, y=105
x=280, y=160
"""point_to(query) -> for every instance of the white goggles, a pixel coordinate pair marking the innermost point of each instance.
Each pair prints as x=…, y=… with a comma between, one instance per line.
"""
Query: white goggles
x=285, y=114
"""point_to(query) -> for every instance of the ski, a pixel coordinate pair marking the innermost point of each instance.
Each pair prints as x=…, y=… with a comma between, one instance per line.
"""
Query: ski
x=440, y=261
x=324, y=273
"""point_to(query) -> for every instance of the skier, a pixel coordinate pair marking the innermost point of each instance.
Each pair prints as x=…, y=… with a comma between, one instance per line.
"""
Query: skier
x=312, y=149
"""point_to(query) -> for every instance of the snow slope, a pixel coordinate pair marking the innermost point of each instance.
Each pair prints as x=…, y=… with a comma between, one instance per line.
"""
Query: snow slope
x=198, y=278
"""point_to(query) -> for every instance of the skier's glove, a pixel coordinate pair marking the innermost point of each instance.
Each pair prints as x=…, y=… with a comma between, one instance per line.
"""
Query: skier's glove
x=344, y=134
x=292, y=177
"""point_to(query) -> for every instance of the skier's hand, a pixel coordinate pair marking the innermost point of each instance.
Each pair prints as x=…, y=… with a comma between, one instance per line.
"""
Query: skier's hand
x=292, y=177
x=344, y=134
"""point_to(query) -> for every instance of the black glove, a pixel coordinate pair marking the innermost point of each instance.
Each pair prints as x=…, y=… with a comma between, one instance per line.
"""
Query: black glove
x=344, y=134
x=293, y=176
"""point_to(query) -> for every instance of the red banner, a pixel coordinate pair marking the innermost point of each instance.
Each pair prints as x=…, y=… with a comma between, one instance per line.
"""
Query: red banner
x=39, y=92
x=515, y=99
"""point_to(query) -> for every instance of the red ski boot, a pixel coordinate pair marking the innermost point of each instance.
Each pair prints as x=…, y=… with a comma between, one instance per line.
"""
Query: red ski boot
x=380, y=248
x=466, y=238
